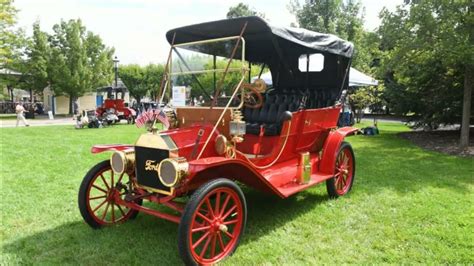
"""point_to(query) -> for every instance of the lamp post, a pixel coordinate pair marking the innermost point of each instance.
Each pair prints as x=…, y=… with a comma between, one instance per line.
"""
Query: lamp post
x=116, y=61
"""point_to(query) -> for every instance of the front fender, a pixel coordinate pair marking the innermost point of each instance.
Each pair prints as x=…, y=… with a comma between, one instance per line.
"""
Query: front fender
x=331, y=148
x=206, y=169
x=111, y=147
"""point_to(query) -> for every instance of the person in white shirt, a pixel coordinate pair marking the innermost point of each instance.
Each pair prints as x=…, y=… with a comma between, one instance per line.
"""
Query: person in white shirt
x=20, y=110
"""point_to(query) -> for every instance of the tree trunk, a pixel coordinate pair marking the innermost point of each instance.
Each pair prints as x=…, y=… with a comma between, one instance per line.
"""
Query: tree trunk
x=466, y=108
x=10, y=91
x=31, y=96
x=71, y=100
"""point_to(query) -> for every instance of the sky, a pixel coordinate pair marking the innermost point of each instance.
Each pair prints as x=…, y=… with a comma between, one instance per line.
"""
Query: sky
x=136, y=28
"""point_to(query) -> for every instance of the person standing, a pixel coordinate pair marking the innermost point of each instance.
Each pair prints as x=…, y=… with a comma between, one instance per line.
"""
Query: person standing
x=20, y=110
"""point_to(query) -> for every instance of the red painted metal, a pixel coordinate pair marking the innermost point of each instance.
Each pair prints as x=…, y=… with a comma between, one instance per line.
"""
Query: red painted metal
x=111, y=147
x=216, y=226
x=331, y=148
x=133, y=205
x=118, y=105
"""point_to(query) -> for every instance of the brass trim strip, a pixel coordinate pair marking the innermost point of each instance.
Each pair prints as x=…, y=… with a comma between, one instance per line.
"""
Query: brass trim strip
x=169, y=193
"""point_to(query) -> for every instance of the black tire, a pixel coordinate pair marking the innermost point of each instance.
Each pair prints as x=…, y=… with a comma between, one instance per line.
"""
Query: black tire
x=331, y=183
x=83, y=200
x=194, y=202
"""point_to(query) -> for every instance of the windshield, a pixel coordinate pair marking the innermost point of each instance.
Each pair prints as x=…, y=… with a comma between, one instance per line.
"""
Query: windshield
x=196, y=74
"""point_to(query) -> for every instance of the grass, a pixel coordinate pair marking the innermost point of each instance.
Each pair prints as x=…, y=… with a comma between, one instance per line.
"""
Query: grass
x=407, y=205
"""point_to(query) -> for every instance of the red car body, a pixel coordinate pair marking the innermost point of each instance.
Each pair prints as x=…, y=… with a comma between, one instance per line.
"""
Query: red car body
x=290, y=143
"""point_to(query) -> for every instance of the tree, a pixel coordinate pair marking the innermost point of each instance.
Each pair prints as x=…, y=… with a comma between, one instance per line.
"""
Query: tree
x=79, y=60
x=133, y=77
x=428, y=61
x=35, y=67
x=11, y=39
x=242, y=10
x=153, y=77
x=12, y=42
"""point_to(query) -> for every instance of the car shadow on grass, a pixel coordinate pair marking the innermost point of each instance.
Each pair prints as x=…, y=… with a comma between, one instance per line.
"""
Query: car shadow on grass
x=145, y=240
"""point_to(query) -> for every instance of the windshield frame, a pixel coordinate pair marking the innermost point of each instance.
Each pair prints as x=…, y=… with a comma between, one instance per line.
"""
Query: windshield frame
x=169, y=73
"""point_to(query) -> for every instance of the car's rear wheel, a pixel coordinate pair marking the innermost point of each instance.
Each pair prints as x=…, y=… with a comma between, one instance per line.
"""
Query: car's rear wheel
x=212, y=223
x=96, y=196
x=344, y=172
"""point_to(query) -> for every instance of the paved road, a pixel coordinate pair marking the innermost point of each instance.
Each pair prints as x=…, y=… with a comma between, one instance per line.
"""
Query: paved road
x=38, y=122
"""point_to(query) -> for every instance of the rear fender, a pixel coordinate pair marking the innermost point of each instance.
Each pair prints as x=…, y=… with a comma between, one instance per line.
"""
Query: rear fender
x=331, y=148
x=203, y=170
x=111, y=147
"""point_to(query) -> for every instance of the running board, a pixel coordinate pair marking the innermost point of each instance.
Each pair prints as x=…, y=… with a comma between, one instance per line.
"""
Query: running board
x=293, y=187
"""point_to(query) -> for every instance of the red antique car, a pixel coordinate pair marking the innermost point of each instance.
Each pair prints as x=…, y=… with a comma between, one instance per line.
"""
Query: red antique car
x=279, y=140
x=115, y=108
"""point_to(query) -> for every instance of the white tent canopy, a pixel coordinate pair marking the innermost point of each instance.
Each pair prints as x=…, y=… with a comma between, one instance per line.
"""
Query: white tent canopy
x=356, y=79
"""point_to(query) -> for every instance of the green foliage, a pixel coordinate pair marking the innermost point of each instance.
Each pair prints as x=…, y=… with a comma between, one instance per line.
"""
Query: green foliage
x=35, y=67
x=11, y=39
x=344, y=19
x=242, y=10
x=79, y=61
x=428, y=51
x=141, y=81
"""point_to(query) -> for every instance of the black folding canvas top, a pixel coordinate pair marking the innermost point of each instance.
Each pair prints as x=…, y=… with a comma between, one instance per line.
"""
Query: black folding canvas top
x=278, y=48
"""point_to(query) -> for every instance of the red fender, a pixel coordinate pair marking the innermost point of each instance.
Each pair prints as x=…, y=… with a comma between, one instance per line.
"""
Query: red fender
x=111, y=147
x=331, y=148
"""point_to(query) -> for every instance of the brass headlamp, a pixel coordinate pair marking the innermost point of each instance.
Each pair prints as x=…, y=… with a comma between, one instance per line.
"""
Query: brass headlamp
x=122, y=161
x=172, y=170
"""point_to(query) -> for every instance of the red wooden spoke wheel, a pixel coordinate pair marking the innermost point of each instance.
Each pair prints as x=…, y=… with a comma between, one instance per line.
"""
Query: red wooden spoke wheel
x=96, y=196
x=212, y=223
x=344, y=172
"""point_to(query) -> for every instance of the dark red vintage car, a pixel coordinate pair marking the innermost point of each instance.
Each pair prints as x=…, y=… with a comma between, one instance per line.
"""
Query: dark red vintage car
x=279, y=140
x=115, y=108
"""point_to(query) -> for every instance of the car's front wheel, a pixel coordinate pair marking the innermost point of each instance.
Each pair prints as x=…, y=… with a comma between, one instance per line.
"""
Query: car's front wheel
x=212, y=223
x=96, y=196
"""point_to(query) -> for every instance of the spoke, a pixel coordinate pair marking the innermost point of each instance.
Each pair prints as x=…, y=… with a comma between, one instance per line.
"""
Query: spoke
x=201, y=239
x=218, y=201
x=202, y=228
x=229, y=235
x=113, y=212
x=105, y=183
x=230, y=222
x=206, y=245
x=213, y=246
x=105, y=212
x=120, y=177
x=98, y=206
x=224, y=205
x=209, y=207
x=203, y=217
x=229, y=212
x=221, y=242
x=101, y=189
x=120, y=209
x=98, y=197
x=112, y=179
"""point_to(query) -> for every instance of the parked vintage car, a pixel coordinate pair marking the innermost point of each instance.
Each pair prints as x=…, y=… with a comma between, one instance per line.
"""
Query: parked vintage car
x=280, y=141
x=115, y=109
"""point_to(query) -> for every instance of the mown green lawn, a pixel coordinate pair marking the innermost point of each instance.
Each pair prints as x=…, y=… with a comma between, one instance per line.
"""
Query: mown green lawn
x=407, y=206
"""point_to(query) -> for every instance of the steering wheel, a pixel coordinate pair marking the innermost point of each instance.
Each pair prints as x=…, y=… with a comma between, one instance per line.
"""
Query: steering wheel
x=252, y=97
